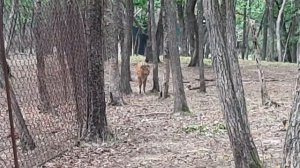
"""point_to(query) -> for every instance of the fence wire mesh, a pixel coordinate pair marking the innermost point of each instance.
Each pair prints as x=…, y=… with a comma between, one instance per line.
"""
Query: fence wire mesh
x=45, y=51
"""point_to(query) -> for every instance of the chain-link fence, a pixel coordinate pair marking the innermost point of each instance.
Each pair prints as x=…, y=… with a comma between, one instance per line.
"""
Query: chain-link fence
x=45, y=51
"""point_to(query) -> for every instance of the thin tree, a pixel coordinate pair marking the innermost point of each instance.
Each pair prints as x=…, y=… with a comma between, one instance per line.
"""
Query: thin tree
x=96, y=122
x=45, y=105
x=278, y=21
x=180, y=103
x=201, y=43
x=244, y=149
x=154, y=48
x=111, y=51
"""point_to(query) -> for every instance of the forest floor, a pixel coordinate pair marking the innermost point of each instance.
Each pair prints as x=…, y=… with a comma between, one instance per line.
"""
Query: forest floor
x=148, y=135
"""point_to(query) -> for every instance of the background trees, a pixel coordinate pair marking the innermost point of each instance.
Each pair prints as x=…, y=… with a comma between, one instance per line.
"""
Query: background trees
x=78, y=68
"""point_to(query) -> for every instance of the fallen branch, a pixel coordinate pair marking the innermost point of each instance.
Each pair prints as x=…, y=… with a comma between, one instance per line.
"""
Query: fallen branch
x=152, y=114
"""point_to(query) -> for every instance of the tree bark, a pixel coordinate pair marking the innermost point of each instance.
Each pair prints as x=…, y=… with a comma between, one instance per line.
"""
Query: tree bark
x=183, y=36
x=190, y=24
x=201, y=42
x=271, y=31
x=111, y=52
x=164, y=92
x=97, y=122
x=278, y=21
x=265, y=32
x=45, y=105
x=13, y=16
x=291, y=148
x=180, y=103
x=60, y=42
x=245, y=39
x=154, y=48
x=126, y=46
x=244, y=150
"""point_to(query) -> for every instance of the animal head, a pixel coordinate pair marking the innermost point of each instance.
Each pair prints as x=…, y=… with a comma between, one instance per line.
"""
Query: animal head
x=145, y=69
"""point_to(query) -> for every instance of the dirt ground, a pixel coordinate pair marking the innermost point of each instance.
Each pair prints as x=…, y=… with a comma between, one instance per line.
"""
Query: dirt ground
x=147, y=134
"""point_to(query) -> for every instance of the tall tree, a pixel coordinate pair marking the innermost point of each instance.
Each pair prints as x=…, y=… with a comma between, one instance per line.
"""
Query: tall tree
x=271, y=24
x=45, y=105
x=97, y=122
x=265, y=31
x=245, y=35
x=244, y=150
x=180, y=103
x=111, y=51
x=201, y=43
x=126, y=44
x=154, y=48
x=278, y=26
x=164, y=92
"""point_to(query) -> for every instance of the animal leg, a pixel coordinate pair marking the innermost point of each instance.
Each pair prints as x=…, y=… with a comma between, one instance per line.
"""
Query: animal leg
x=144, y=84
x=140, y=85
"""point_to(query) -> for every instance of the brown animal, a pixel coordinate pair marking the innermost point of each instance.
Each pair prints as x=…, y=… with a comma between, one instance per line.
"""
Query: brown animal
x=142, y=71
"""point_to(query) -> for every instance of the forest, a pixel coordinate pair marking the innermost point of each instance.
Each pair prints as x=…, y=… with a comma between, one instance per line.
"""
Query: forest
x=150, y=83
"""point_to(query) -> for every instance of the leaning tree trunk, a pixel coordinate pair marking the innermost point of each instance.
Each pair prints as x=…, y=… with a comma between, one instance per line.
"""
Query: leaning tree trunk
x=244, y=149
x=45, y=105
x=291, y=150
x=154, y=48
x=97, y=122
x=201, y=42
x=180, y=103
x=26, y=139
x=126, y=45
x=111, y=52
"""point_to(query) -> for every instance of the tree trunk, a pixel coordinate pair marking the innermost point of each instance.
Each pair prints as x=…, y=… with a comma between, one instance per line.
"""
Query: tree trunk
x=291, y=148
x=164, y=92
x=111, y=52
x=75, y=48
x=45, y=105
x=159, y=35
x=96, y=123
x=190, y=24
x=265, y=32
x=13, y=16
x=271, y=31
x=195, y=57
x=126, y=47
x=278, y=21
x=60, y=40
x=201, y=42
x=154, y=48
x=26, y=139
x=183, y=36
x=180, y=103
x=244, y=150
x=245, y=35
